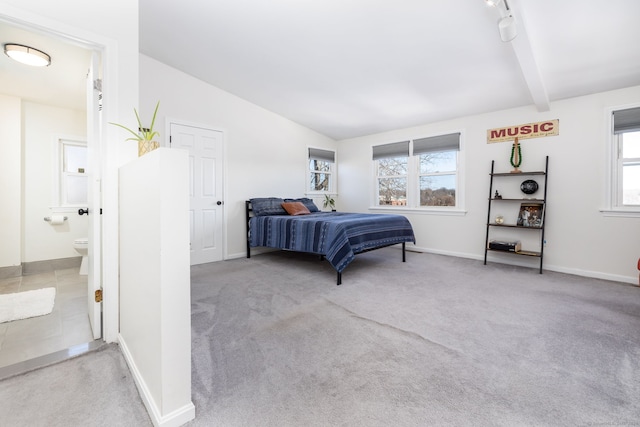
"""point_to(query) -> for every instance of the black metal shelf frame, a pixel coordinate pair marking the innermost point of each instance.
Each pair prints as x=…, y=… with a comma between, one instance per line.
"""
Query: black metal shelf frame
x=540, y=229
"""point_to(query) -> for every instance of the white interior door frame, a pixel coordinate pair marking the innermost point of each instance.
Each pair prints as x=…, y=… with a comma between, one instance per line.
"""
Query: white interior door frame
x=108, y=48
x=94, y=195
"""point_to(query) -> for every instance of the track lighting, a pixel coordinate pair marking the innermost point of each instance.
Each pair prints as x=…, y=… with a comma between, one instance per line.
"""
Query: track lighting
x=507, y=28
x=507, y=23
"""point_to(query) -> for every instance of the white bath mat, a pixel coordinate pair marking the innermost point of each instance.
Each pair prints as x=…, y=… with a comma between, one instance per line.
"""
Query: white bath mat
x=22, y=305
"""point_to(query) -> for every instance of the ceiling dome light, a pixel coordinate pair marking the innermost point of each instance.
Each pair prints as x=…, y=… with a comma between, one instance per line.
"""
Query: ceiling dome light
x=492, y=3
x=27, y=55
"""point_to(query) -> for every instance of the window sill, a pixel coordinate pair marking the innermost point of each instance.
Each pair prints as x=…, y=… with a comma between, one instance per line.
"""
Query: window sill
x=621, y=212
x=421, y=211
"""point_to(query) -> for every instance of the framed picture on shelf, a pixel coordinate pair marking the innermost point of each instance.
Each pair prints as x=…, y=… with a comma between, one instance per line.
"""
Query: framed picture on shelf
x=531, y=215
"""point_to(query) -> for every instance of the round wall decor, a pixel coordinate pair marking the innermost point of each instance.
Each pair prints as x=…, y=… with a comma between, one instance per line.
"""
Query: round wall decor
x=529, y=186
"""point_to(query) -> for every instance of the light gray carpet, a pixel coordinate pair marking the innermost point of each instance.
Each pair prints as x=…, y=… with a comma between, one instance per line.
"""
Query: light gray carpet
x=95, y=389
x=436, y=341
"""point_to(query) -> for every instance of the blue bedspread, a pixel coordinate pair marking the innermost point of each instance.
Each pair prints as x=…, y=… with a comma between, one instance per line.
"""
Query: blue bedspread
x=336, y=235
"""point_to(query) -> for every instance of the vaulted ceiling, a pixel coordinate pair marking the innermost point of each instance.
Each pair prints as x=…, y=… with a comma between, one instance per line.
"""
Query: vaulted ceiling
x=348, y=68
x=354, y=67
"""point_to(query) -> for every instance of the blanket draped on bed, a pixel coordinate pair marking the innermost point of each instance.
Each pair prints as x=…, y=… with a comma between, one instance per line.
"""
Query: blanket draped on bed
x=336, y=235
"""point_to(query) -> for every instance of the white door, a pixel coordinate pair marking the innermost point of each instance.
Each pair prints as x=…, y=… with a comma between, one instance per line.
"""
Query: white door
x=94, y=126
x=205, y=148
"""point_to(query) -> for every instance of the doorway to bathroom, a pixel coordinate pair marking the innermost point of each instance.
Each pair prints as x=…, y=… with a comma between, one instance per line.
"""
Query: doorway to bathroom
x=41, y=253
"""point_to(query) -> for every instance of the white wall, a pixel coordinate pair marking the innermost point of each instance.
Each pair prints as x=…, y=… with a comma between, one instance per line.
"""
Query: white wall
x=10, y=181
x=580, y=239
x=42, y=124
x=265, y=153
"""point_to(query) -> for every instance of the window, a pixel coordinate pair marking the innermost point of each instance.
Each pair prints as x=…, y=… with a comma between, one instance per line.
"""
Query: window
x=72, y=173
x=625, y=168
x=438, y=166
x=427, y=178
x=630, y=165
x=391, y=173
x=321, y=171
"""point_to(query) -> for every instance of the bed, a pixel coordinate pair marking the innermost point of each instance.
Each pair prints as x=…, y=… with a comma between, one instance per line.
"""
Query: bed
x=298, y=225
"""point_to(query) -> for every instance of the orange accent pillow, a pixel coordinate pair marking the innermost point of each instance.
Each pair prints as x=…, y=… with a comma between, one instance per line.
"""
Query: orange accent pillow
x=295, y=208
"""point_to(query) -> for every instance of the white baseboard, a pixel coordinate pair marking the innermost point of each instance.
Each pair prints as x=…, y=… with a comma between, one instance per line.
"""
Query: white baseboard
x=173, y=419
x=593, y=274
x=559, y=269
x=254, y=251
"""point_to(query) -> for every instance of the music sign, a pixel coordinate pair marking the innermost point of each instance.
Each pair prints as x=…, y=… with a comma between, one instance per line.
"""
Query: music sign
x=529, y=130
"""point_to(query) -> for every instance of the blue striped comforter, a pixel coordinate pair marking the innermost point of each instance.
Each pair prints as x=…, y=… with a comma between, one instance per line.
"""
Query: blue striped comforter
x=336, y=235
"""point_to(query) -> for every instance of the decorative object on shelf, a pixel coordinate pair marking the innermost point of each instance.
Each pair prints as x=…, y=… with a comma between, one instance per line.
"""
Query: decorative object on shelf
x=329, y=202
x=516, y=156
x=497, y=195
x=529, y=186
x=499, y=219
x=531, y=215
x=144, y=136
x=505, y=246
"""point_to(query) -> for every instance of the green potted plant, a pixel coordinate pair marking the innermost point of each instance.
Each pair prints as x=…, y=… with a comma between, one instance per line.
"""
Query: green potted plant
x=145, y=136
x=329, y=201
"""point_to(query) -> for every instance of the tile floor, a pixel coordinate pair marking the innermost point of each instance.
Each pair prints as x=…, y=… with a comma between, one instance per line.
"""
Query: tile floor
x=66, y=326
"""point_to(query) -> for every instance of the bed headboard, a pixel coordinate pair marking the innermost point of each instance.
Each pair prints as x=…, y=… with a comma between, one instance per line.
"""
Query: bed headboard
x=272, y=206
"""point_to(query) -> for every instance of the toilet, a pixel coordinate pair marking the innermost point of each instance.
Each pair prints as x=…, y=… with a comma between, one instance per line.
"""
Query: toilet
x=81, y=246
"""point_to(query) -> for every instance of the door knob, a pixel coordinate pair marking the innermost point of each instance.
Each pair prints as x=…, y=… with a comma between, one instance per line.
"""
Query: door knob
x=218, y=203
x=83, y=211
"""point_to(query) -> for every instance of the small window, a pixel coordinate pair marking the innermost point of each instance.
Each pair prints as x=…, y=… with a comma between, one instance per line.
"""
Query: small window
x=438, y=178
x=630, y=167
x=392, y=181
x=392, y=168
x=72, y=175
x=437, y=169
x=625, y=160
x=321, y=171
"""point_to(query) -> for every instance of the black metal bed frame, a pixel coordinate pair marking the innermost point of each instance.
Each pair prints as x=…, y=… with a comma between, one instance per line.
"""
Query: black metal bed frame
x=248, y=211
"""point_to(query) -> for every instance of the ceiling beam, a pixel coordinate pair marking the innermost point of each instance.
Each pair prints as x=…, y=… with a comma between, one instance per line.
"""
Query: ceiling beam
x=522, y=47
